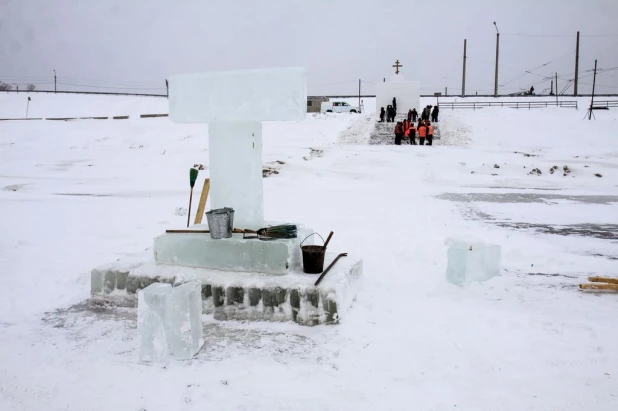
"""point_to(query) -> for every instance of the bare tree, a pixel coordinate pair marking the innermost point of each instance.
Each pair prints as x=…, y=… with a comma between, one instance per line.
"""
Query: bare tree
x=5, y=87
x=31, y=87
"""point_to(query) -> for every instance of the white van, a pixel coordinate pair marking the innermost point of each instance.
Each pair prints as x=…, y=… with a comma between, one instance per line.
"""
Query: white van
x=338, y=107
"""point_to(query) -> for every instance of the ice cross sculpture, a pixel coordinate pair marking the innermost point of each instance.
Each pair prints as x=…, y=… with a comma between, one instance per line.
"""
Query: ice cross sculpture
x=234, y=104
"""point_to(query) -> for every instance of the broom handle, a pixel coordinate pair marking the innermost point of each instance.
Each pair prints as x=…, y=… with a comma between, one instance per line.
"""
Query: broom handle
x=235, y=231
x=328, y=239
x=190, y=201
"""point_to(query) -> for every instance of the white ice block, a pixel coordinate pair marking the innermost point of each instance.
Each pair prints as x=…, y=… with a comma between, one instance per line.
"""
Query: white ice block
x=169, y=321
x=184, y=322
x=244, y=95
x=152, y=304
x=407, y=93
x=471, y=260
x=236, y=171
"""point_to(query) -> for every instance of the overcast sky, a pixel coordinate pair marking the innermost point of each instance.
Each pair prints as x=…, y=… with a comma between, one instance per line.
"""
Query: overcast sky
x=136, y=44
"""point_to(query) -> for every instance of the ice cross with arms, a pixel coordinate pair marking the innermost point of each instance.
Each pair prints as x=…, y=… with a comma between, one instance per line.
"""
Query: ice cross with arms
x=234, y=104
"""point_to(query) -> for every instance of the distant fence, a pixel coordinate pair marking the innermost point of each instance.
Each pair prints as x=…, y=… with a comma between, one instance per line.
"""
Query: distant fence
x=513, y=104
x=606, y=104
x=85, y=92
x=329, y=96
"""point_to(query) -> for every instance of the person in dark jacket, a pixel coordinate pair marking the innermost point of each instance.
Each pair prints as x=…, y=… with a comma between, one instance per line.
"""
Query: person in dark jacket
x=434, y=114
x=392, y=114
x=409, y=115
x=382, y=114
x=414, y=114
x=395, y=105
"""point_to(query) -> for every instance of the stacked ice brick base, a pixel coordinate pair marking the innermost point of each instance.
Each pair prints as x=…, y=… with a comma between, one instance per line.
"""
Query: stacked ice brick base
x=240, y=279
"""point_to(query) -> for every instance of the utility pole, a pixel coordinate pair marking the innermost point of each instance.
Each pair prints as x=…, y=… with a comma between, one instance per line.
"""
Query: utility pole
x=576, y=65
x=167, y=89
x=551, y=88
x=497, y=54
x=446, y=91
x=463, y=77
x=16, y=86
x=359, y=94
x=55, y=89
x=594, y=82
x=556, y=88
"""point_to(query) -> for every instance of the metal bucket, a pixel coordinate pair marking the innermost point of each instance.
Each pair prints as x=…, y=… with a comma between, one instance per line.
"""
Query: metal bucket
x=313, y=257
x=220, y=222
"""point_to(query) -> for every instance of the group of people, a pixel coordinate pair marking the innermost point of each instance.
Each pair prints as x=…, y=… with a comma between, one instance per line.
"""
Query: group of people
x=391, y=111
x=405, y=130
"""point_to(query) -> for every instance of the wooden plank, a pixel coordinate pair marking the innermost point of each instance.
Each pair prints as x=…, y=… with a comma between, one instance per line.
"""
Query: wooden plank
x=202, y=205
x=120, y=117
x=603, y=280
x=608, y=287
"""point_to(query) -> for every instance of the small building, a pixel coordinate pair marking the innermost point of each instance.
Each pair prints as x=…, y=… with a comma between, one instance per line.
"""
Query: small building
x=314, y=103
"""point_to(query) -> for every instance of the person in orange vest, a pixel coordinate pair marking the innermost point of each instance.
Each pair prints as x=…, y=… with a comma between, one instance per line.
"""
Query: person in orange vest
x=412, y=134
x=406, y=128
x=398, y=133
x=429, y=133
x=422, y=133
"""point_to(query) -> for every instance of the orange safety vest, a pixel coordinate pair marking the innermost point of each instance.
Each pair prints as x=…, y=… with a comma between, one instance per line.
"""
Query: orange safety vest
x=430, y=130
x=412, y=131
x=397, y=129
x=407, y=133
x=422, y=131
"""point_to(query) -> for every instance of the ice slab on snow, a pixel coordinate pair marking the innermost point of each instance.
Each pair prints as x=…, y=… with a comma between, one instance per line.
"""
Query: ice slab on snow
x=151, y=320
x=244, y=95
x=470, y=259
x=235, y=253
x=169, y=321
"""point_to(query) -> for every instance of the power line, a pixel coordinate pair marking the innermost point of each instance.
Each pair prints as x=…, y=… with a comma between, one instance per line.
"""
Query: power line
x=557, y=35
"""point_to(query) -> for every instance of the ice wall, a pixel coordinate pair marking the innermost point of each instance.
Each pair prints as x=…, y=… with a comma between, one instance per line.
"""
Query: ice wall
x=408, y=94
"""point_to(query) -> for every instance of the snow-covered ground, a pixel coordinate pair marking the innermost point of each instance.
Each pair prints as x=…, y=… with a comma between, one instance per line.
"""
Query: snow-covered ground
x=74, y=195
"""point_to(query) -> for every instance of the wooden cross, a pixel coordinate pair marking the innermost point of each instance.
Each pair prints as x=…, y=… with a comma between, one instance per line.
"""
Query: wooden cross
x=397, y=65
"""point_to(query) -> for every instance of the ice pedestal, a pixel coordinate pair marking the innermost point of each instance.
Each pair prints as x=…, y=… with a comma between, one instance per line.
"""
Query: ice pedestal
x=169, y=321
x=235, y=254
x=470, y=260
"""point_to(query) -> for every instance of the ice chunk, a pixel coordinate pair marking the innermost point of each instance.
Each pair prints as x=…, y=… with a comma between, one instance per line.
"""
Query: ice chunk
x=470, y=259
x=152, y=304
x=243, y=95
x=169, y=321
x=237, y=184
x=184, y=321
